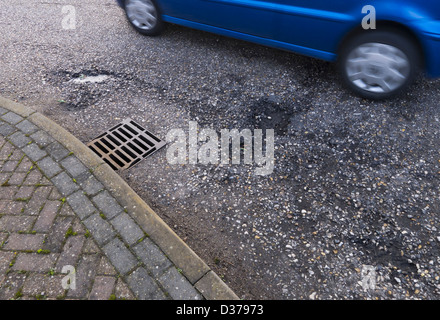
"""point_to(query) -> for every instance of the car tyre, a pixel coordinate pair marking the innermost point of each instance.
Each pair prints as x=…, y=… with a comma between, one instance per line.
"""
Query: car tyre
x=144, y=16
x=379, y=65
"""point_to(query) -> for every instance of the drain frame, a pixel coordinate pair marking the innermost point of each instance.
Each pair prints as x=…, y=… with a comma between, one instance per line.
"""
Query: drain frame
x=125, y=145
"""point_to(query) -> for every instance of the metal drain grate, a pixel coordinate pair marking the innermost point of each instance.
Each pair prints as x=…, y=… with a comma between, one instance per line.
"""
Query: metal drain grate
x=125, y=145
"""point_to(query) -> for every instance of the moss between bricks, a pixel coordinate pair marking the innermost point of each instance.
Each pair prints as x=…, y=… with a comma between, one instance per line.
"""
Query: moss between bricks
x=69, y=233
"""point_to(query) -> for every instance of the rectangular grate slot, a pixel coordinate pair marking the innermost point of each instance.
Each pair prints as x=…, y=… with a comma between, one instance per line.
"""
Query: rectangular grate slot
x=110, y=164
x=133, y=147
x=94, y=150
x=149, y=152
x=122, y=156
x=140, y=144
x=152, y=136
x=101, y=147
x=125, y=145
x=125, y=133
x=108, y=144
x=151, y=144
x=118, y=162
x=137, y=126
x=121, y=138
x=130, y=129
x=127, y=151
x=115, y=127
x=115, y=141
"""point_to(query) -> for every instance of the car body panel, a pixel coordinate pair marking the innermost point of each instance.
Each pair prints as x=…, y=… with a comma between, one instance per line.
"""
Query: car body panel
x=314, y=28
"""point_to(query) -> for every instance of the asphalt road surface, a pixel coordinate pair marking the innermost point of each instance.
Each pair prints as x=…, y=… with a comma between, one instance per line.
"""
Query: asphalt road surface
x=351, y=210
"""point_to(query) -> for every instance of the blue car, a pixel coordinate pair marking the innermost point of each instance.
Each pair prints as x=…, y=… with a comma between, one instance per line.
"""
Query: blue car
x=380, y=46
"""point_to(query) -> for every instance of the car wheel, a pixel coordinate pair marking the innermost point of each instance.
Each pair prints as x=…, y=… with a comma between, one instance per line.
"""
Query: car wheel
x=379, y=65
x=144, y=16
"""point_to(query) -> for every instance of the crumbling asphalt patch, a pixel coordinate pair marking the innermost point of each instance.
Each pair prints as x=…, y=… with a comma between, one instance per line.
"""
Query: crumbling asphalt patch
x=77, y=92
x=85, y=87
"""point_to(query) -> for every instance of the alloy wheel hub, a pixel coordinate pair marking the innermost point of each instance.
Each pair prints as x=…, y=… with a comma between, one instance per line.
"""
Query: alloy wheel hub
x=378, y=67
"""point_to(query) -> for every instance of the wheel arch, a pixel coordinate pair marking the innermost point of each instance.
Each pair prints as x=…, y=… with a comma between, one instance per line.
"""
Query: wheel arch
x=388, y=25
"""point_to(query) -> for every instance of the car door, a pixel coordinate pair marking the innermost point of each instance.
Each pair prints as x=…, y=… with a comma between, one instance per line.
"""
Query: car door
x=253, y=17
x=317, y=24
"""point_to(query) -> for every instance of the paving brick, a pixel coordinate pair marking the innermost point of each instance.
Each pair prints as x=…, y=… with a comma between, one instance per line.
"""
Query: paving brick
x=6, y=150
x=11, y=284
x=100, y=229
x=143, y=286
x=153, y=258
x=10, y=165
x=64, y=184
x=81, y=205
x=42, y=138
x=12, y=207
x=3, y=236
x=106, y=268
x=4, y=177
x=49, y=167
x=177, y=286
x=17, y=178
x=16, y=155
x=107, y=204
x=19, y=139
x=90, y=247
x=6, y=129
x=122, y=259
x=12, y=118
x=55, y=195
x=3, y=204
x=34, y=262
x=57, y=235
x=7, y=193
x=66, y=210
x=27, y=127
x=21, y=241
x=73, y=166
x=45, y=182
x=16, y=223
x=71, y=252
x=85, y=274
x=89, y=184
x=127, y=228
x=25, y=192
x=47, y=216
x=5, y=260
x=2, y=111
x=34, y=152
x=57, y=151
x=78, y=227
x=43, y=284
x=122, y=291
x=102, y=288
x=24, y=165
x=33, y=178
x=37, y=200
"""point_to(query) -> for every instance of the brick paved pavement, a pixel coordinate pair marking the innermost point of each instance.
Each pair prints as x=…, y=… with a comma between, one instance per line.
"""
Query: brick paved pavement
x=56, y=214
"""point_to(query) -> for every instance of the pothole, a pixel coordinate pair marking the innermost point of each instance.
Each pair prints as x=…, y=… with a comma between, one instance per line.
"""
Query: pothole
x=85, y=87
x=91, y=79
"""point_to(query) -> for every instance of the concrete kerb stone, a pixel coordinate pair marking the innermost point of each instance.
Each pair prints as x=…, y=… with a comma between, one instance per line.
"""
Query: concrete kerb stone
x=191, y=266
